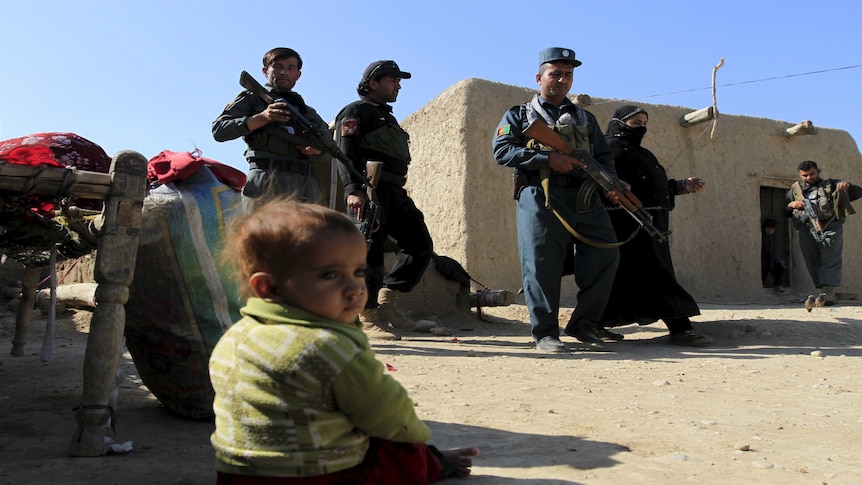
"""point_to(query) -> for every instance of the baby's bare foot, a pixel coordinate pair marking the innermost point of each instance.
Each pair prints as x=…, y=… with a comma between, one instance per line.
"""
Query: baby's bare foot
x=461, y=460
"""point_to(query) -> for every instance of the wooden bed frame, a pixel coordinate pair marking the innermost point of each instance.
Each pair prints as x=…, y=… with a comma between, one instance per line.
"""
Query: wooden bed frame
x=117, y=231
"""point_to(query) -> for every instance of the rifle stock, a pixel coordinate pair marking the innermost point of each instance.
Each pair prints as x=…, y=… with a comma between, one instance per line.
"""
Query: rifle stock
x=373, y=169
x=369, y=224
x=248, y=81
x=628, y=201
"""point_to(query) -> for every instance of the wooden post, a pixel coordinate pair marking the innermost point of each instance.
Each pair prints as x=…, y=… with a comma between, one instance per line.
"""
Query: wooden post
x=802, y=128
x=24, y=313
x=119, y=231
x=697, y=117
x=492, y=298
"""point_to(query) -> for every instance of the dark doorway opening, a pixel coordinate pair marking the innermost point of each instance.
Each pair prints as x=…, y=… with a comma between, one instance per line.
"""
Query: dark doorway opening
x=773, y=206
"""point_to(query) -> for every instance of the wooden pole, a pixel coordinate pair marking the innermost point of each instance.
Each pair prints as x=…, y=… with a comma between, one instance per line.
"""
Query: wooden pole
x=27, y=179
x=696, y=117
x=802, y=128
x=24, y=313
x=117, y=250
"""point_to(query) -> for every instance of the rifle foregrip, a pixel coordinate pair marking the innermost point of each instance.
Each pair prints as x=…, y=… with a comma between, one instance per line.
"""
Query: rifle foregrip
x=632, y=197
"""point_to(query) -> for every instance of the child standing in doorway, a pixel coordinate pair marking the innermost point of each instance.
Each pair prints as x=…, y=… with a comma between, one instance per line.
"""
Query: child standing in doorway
x=300, y=397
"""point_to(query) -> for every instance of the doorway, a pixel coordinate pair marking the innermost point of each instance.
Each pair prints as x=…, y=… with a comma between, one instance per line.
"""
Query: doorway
x=773, y=206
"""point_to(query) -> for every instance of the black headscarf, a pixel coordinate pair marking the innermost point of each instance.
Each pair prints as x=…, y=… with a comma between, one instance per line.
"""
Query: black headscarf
x=617, y=128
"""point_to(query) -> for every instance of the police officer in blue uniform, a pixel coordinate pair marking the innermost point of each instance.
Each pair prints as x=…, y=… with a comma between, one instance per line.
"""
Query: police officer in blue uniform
x=543, y=240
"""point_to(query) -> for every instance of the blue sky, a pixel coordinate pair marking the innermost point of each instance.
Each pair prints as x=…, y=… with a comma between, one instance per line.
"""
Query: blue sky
x=152, y=75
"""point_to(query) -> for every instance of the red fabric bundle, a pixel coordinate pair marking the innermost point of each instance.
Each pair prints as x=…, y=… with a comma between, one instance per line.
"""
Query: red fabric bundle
x=56, y=150
x=170, y=166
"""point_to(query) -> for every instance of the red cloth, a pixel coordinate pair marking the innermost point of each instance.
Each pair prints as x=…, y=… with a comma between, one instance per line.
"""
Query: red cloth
x=55, y=150
x=386, y=463
x=170, y=166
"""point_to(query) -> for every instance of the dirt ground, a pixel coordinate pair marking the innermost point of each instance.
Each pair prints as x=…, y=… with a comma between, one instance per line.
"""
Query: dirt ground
x=775, y=400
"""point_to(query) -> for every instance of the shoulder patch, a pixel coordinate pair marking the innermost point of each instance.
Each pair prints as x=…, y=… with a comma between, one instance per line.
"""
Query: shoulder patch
x=349, y=127
x=504, y=130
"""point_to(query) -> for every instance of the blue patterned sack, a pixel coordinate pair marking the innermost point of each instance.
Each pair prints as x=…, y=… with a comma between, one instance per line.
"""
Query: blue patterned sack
x=180, y=300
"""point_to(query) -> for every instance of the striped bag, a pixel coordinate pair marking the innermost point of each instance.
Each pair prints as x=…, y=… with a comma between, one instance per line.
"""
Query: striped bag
x=180, y=300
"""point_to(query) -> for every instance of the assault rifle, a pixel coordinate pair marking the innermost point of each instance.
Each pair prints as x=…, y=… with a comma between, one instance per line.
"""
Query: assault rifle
x=540, y=132
x=367, y=224
x=247, y=81
x=818, y=232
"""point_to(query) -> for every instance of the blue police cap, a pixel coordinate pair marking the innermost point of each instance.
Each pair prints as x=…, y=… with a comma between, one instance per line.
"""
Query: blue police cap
x=553, y=54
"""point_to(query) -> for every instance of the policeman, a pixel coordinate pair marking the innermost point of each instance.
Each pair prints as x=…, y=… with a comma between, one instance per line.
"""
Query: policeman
x=280, y=154
x=821, y=240
x=542, y=236
x=366, y=130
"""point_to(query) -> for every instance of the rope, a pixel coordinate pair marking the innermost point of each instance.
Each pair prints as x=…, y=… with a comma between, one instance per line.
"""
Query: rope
x=479, y=299
x=32, y=180
x=485, y=290
x=60, y=281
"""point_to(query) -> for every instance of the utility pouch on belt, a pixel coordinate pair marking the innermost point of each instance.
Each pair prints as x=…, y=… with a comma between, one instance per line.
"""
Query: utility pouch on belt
x=519, y=180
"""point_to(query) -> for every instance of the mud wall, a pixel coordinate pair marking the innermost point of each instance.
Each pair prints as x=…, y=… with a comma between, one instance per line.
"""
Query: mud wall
x=467, y=197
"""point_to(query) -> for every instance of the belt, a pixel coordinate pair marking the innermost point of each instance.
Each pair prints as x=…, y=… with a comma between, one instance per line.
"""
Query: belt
x=289, y=166
x=392, y=178
x=565, y=181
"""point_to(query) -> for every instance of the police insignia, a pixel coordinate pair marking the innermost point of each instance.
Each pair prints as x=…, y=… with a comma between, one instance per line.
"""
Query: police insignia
x=349, y=127
x=504, y=130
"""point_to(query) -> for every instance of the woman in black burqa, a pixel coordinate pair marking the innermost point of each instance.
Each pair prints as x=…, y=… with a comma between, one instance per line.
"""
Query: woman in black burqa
x=645, y=288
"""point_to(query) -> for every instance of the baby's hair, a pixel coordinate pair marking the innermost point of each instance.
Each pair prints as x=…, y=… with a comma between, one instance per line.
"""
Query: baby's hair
x=270, y=238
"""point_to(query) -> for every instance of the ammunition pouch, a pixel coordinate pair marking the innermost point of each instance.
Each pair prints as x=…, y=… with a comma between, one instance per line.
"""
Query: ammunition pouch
x=389, y=140
x=277, y=140
x=587, y=186
x=282, y=165
x=519, y=181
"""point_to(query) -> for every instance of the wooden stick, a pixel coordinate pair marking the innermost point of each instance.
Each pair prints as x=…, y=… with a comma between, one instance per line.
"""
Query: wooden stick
x=714, y=102
x=802, y=128
x=697, y=117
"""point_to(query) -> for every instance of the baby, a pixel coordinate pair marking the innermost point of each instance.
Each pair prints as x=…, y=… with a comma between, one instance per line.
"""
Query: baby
x=300, y=397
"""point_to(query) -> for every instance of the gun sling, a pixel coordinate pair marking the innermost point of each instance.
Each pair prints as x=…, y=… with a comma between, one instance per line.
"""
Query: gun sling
x=545, y=175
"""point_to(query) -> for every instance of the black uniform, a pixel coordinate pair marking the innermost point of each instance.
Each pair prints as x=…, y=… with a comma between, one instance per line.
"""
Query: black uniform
x=366, y=130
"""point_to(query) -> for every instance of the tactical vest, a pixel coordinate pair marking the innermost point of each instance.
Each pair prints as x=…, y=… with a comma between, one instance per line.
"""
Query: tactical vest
x=572, y=125
x=284, y=140
x=390, y=140
x=821, y=197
